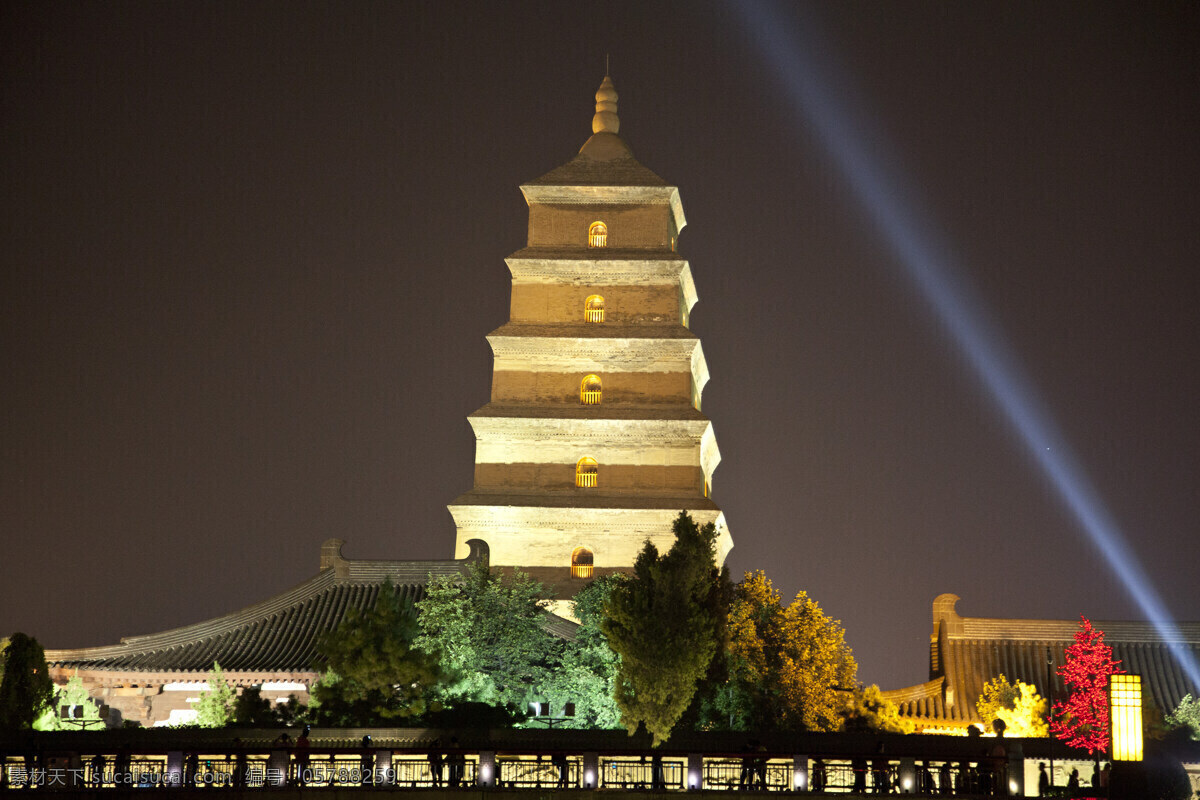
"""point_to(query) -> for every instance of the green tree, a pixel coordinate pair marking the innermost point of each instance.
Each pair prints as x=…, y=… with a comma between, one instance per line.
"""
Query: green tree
x=587, y=672
x=1186, y=716
x=790, y=666
x=1018, y=704
x=377, y=674
x=73, y=695
x=666, y=625
x=252, y=710
x=214, y=709
x=26, y=690
x=485, y=628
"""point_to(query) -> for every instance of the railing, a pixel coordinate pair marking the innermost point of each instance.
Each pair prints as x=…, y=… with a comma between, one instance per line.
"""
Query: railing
x=594, y=314
x=955, y=773
x=598, y=238
x=590, y=398
x=619, y=773
x=585, y=480
x=539, y=773
x=747, y=773
x=582, y=570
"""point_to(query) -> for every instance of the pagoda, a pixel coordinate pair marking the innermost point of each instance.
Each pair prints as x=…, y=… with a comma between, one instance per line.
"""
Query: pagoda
x=593, y=440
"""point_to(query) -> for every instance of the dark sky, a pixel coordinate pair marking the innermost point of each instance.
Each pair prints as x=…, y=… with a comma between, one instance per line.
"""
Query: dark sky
x=251, y=252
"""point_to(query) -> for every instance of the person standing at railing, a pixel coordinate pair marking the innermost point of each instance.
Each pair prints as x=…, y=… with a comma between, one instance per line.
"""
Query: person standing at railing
x=302, y=757
x=559, y=760
x=239, y=764
x=97, y=777
x=435, y=763
x=859, y=765
x=880, y=777
x=818, y=776
x=366, y=763
x=458, y=765
x=746, y=778
x=944, y=780
x=191, y=765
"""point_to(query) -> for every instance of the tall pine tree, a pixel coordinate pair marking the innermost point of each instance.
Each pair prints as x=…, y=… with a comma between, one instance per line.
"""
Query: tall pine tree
x=666, y=624
x=26, y=690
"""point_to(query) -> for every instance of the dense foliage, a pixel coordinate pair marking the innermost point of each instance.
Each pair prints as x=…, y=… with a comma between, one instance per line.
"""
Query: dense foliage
x=789, y=668
x=1186, y=716
x=26, y=690
x=870, y=710
x=666, y=625
x=214, y=709
x=76, y=697
x=1018, y=704
x=1083, y=721
x=376, y=675
x=485, y=630
x=587, y=672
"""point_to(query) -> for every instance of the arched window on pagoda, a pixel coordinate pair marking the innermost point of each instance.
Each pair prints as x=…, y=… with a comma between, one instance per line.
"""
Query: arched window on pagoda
x=586, y=471
x=598, y=235
x=593, y=308
x=581, y=563
x=590, y=390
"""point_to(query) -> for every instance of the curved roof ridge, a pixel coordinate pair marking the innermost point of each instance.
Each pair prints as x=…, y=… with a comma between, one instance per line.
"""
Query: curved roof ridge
x=346, y=571
x=206, y=629
x=1064, y=630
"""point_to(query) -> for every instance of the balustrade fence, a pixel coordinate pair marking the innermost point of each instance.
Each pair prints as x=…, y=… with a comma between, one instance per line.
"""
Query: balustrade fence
x=406, y=769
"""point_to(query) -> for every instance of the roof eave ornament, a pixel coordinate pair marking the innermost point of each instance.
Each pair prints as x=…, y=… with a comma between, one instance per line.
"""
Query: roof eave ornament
x=606, y=120
x=605, y=144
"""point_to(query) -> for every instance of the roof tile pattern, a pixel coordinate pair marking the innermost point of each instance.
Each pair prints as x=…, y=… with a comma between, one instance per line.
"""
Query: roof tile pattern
x=278, y=634
x=966, y=652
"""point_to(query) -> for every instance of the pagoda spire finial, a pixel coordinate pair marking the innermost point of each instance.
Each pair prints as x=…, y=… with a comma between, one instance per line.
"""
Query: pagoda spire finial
x=606, y=120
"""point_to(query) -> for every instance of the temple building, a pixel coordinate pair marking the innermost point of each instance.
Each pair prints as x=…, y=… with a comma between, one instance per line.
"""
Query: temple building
x=154, y=679
x=967, y=652
x=594, y=440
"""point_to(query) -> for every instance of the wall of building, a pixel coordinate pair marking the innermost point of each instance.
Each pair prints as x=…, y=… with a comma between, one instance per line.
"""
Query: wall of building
x=666, y=481
x=629, y=226
x=625, y=388
x=542, y=303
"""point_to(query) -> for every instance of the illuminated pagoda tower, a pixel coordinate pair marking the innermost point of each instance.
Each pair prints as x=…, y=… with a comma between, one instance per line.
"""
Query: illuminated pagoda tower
x=593, y=441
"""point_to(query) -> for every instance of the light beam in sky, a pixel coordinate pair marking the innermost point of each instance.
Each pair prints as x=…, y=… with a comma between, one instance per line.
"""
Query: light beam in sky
x=806, y=70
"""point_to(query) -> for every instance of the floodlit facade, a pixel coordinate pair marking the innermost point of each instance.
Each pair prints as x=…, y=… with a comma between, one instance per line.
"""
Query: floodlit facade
x=593, y=440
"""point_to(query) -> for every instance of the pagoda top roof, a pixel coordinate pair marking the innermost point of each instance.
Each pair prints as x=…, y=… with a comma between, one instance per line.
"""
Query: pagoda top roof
x=605, y=159
x=612, y=169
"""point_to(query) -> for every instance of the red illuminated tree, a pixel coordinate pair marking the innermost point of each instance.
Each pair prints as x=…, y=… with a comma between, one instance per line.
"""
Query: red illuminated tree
x=1082, y=721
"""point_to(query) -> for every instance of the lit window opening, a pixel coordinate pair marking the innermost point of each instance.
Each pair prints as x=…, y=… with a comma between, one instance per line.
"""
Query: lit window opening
x=598, y=235
x=581, y=563
x=590, y=390
x=586, y=471
x=593, y=309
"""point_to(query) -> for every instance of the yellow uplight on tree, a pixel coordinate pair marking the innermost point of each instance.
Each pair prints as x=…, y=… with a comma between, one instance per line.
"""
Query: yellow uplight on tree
x=1125, y=702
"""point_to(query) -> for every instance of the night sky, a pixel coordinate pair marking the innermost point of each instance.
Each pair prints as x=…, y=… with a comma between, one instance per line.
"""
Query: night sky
x=251, y=252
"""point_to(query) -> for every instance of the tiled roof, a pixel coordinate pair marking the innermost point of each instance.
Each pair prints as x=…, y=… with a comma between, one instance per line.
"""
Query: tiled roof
x=582, y=170
x=966, y=652
x=279, y=634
